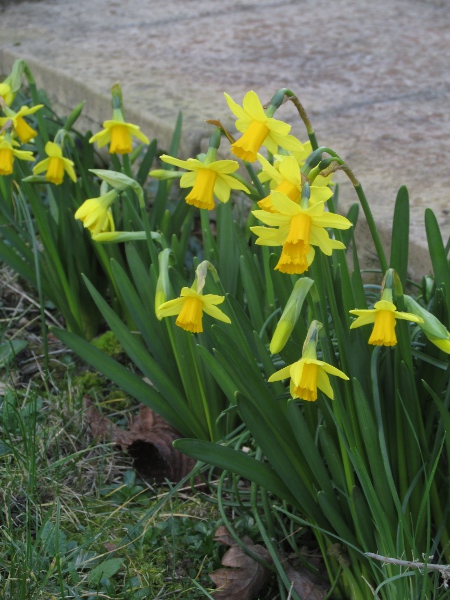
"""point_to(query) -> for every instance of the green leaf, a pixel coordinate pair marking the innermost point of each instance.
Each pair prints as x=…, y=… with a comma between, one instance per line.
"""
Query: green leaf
x=236, y=462
x=106, y=569
x=125, y=379
x=9, y=349
x=146, y=163
x=400, y=235
x=438, y=256
x=309, y=450
x=271, y=431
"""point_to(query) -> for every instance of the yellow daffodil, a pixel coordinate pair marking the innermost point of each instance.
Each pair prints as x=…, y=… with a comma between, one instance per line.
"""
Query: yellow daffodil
x=8, y=152
x=118, y=134
x=55, y=165
x=95, y=213
x=190, y=308
x=6, y=93
x=258, y=129
x=297, y=230
x=286, y=178
x=24, y=132
x=207, y=180
x=383, y=315
x=309, y=374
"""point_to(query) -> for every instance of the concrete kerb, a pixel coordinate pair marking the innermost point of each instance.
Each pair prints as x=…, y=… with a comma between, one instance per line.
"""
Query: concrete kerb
x=65, y=93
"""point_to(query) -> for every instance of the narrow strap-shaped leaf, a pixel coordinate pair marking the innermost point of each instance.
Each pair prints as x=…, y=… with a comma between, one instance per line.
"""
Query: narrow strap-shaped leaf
x=400, y=235
x=273, y=437
x=135, y=350
x=236, y=462
x=310, y=451
x=146, y=163
x=224, y=381
x=124, y=378
x=438, y=256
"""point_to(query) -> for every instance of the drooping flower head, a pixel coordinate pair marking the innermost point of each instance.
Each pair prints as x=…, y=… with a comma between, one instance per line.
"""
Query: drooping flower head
x=208, y=180
x=384, y=313
x=308, y=374
x=258, y=129
x=95, y=213
x=285, y=177
x=191, y=304
x=24, y=132
x=297, y=230
x=55, y=165
x=8, y=151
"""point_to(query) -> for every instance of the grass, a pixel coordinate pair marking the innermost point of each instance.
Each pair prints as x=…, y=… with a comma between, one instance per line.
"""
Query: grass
x=77, y=522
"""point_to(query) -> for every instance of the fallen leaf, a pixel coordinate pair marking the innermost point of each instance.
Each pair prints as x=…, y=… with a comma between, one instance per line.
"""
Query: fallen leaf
x=244, y=576
x=305, y=583
x=148, y=441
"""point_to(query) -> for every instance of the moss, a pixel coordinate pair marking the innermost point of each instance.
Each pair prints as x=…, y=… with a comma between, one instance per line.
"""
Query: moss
x=108, y=344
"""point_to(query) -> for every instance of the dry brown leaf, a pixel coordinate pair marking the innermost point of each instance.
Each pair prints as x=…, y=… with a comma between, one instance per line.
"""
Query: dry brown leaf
x=306, y=584
x=245, y=576
x=148, y=441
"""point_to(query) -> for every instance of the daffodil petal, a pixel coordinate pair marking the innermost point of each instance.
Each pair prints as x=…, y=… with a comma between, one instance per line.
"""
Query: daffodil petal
x=253, y=107
x=170, y=308
x=278, y=127
x=41, y=166
x=284, y=204
x=236, y=109
x=216, y=313
x=408, y=317
x=53, y=150
x=188, y=179
x=222, y=190
x=323, y=383
x=283, y=373
x=223, y=166
x=233, y=182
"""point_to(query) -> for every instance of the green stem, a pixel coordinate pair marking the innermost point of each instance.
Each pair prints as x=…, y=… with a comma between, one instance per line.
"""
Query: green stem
x=277, y=101
x=126, y=164
x=213, y=433
x=255, y=180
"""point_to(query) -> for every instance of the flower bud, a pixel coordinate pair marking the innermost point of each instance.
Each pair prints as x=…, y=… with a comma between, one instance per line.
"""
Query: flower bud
x=290, y=314
x=431, y=326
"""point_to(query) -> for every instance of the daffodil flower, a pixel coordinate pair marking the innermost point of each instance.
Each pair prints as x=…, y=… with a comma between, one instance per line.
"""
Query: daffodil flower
x=258, y=129
x=24, y=132
x=8, y=152
x=383, y=314
x=6, y=93
x=95, y=213
x=287, y=179
x=309, y=374
x=297, y=230
x=190, y=307
x=118, y=134
x=207, y=180
x=320, y=191
x=55, y=165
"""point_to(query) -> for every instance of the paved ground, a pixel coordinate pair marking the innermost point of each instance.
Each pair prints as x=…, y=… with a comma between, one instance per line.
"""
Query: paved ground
x=374, y=76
